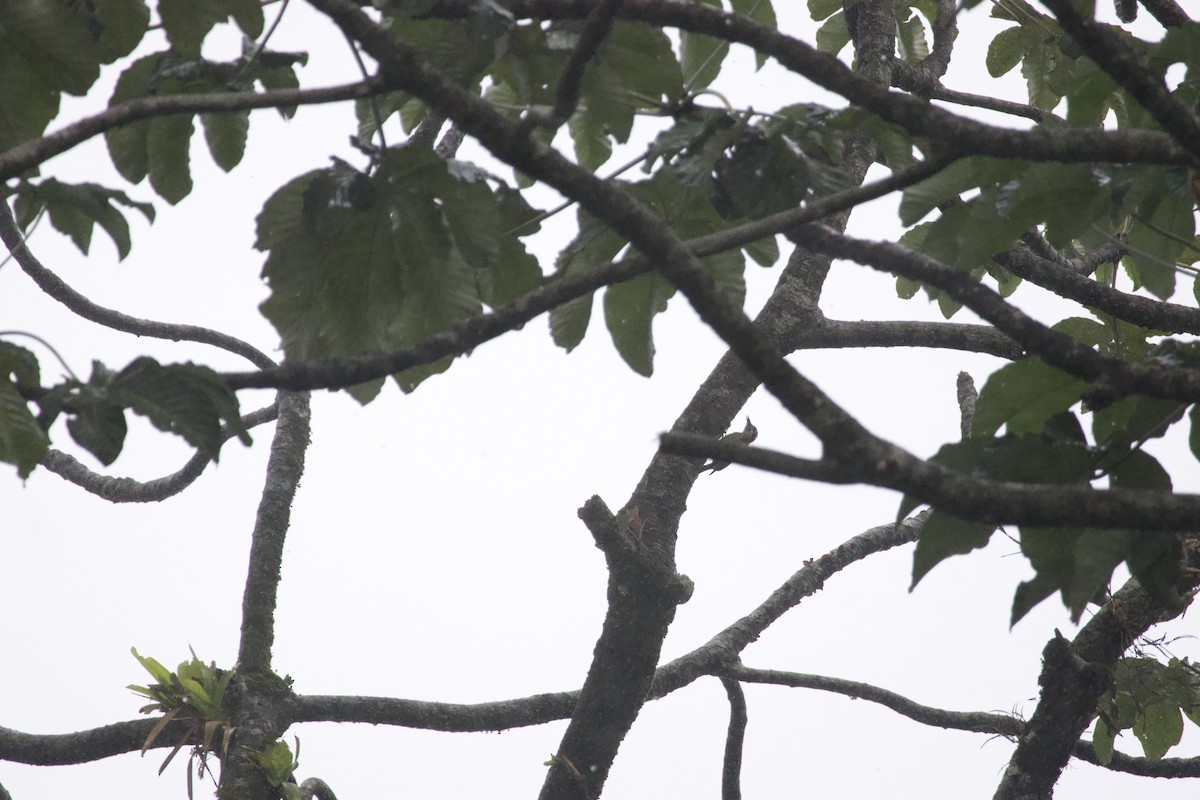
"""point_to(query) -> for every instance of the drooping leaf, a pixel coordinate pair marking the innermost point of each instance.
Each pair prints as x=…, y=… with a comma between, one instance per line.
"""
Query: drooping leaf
x=74, y=209
x=1077, y=562
x=943, y=536
x=23, y=443
x=185, y=399
x=629, y=310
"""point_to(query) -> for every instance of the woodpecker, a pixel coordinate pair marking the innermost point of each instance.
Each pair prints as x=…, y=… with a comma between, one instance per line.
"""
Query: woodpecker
x=744, y=436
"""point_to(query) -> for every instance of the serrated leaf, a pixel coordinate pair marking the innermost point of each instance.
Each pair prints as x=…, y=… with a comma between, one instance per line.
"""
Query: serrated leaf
x=629, y=311
x=569, y=322
x=944, y=536
x=27, y=102
x=1023, y=395
x=75, y=208
x=764, y=252
x=1037, y=66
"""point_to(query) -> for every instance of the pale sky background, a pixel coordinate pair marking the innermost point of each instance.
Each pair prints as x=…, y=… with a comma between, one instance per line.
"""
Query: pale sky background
x=435, y=551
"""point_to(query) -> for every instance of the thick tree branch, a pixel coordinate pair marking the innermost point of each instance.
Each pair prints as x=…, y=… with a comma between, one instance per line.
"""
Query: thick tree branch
x=58, y=289
x=128, y=490
x=1074, y=676
x=28, y=155
x=975, y=499
x=1131, y=70
x=284, y=469
x=1167, y=12
x=1073, y=285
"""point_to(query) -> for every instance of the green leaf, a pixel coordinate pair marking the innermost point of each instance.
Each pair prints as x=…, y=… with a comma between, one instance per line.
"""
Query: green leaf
x=1194, y=431
x=1102, y=742
x=188, y=22
x=99, y=427
x=161, y=674
x=762, y=12
x=764, y=252
x=592, y=145
x=1023, y=395
x=276, y=762
x=701, y=56
x=1155, y=247
x=1006, y=50
x=820, y=9
x=127, y=144
x=629, y=310
x=1077, y=562
x=27, y=101
x=167, y=157
x=833, y=35
x=226, y=137
x=1159, y=728
x=75, y=208
x=944, y=536
x=1037, y=67
x=910, y=38
x=54, y=40
x=22, y=441
x=185, y=399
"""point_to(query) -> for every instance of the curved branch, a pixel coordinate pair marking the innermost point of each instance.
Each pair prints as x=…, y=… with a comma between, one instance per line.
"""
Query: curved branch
x=128, y=490
x=974, y=721
x=284, y=468
x=58, y=289
x=30, y=154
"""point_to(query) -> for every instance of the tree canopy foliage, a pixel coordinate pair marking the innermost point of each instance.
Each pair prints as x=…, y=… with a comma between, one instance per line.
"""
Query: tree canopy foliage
x=395, y=266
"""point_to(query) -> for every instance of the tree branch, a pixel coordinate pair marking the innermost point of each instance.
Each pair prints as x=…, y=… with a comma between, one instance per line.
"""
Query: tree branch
x=284, y=469
x=128, y=490
x=1074, y=676
x=735, y=739
x=1114, y=378
x=58, y=289
x=1131, y=70
x=915, y=115
x=1072, y=285
x=337, y=373
x=30, y=154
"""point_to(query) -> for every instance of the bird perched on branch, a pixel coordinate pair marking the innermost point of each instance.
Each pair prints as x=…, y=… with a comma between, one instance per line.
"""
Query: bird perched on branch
x=744, y=436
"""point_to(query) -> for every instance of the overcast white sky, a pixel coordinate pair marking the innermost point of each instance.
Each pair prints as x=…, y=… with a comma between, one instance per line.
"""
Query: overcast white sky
x=435, y=551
